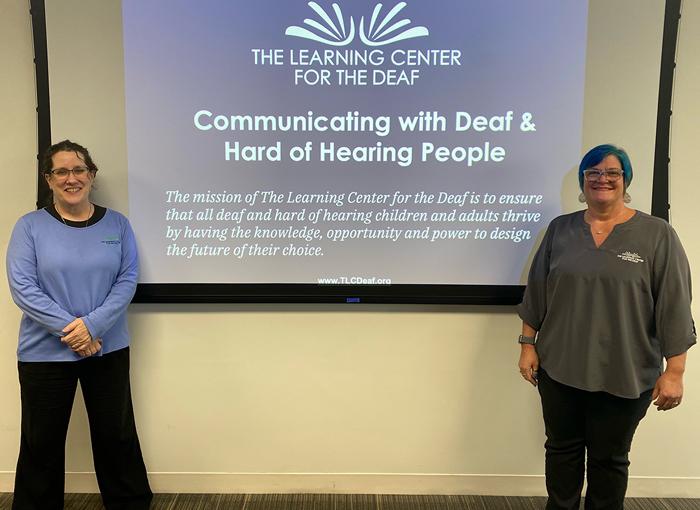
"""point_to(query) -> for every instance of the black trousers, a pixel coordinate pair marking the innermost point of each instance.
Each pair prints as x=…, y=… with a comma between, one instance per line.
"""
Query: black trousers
x=48, y=390
x=598, y=424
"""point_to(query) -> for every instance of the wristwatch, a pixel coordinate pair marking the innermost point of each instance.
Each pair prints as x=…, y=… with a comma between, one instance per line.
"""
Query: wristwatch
x=526, y=340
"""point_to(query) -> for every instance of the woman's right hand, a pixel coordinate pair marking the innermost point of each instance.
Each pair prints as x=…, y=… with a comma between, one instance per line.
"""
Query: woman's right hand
x=529, y=363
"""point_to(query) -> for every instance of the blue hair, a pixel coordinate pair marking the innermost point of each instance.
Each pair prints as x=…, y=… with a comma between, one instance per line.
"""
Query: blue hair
x=598, y=154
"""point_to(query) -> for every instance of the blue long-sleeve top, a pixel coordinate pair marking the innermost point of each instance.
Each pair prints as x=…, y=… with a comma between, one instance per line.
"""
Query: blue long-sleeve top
x=58, y=273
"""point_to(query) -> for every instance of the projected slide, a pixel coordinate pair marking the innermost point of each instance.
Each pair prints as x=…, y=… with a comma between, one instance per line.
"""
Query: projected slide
x=349, y=142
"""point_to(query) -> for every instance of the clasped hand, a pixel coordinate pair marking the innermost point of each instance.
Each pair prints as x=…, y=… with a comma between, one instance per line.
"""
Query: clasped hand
x=79, y=339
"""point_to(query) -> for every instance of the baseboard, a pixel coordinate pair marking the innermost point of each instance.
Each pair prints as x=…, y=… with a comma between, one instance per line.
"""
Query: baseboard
x=355, y=483
x=368, y=483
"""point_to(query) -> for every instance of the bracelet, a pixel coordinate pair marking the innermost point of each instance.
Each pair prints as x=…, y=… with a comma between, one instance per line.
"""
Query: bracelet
x=522, y=339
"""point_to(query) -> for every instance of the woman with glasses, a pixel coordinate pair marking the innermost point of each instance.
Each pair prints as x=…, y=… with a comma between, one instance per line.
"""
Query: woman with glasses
x=72, y=269
x=607, y=300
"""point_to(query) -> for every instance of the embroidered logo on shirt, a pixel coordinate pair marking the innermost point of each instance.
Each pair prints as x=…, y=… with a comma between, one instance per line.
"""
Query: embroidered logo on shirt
x=628, y=256
x=111, y=240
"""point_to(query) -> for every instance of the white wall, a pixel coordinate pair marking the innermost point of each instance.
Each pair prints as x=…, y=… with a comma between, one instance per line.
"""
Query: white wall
x=18, y=147
x=335, y=398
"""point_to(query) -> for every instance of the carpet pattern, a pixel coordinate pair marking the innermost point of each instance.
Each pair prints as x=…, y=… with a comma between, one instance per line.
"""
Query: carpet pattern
x=349, y=502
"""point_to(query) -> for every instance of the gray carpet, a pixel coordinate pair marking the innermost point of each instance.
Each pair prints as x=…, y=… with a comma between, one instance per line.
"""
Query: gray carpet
x=349, y=502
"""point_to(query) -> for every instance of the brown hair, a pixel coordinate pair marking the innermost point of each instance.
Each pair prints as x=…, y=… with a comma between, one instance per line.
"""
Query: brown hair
x=67, y=146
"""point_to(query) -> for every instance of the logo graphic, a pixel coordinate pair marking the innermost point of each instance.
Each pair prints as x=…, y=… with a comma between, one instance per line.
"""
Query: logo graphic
x=111, y=240
x=631, y=257
x=376, y=33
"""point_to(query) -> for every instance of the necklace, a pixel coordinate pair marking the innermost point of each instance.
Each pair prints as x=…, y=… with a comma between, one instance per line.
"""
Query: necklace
x=92, y=209
x=599, y=232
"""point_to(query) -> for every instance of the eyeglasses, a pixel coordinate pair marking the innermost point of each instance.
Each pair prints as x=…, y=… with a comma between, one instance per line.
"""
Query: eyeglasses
x=593, y=174
x=62, y=173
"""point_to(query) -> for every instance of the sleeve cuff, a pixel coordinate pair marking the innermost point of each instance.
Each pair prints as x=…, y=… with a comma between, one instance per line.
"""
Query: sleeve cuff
x=669, y=353
x=91, y=327
x=527, y=318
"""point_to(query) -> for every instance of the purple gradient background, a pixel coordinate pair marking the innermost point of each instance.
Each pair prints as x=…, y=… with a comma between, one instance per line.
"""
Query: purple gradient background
x=181, y=57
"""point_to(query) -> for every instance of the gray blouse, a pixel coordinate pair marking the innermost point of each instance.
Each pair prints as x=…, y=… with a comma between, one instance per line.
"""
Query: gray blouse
x=607, y=315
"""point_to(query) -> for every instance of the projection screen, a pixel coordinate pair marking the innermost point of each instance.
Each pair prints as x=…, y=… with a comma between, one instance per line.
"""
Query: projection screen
x=284, y=150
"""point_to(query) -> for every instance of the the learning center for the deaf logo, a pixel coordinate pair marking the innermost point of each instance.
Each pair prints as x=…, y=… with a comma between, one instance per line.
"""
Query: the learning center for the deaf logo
x=354, y=48
x=379, y=30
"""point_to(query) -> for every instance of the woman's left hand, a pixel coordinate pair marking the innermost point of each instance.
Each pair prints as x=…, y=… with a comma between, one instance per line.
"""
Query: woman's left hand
x=668, y=391
x=77, y=335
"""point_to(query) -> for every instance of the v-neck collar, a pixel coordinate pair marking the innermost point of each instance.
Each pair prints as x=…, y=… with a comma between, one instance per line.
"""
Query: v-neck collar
x=587, y=227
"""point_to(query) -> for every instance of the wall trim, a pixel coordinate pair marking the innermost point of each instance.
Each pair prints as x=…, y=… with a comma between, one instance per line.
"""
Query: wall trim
x=368, y=483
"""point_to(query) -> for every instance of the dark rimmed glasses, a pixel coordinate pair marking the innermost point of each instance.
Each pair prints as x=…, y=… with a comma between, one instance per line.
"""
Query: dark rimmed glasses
x=593, y=174
x=62, y=173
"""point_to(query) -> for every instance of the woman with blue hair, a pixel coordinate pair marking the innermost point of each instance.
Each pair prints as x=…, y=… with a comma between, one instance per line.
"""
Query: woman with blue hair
x=607, y=300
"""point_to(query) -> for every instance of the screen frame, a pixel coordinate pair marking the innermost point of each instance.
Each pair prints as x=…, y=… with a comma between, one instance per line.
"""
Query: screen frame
x=317, y=293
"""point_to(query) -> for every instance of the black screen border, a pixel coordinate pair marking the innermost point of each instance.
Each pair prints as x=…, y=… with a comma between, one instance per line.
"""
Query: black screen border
x=403, y=293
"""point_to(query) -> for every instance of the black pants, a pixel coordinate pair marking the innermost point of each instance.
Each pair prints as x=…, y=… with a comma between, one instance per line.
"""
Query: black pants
x=48, y=390
x=597, y=423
